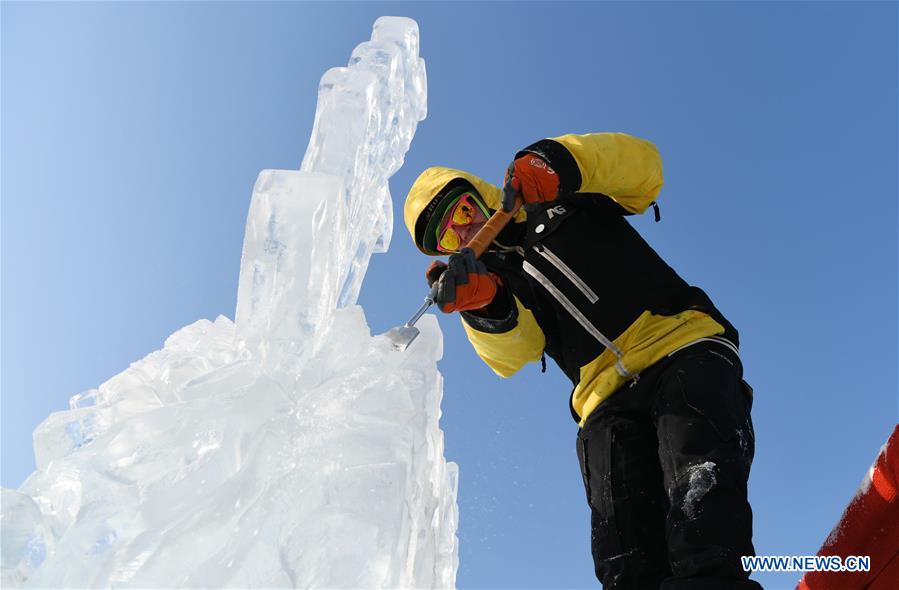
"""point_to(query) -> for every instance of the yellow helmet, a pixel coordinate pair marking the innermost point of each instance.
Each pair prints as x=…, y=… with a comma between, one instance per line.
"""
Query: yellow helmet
x=425, y=202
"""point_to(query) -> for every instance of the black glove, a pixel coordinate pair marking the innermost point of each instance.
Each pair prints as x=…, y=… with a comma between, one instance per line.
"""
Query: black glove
x=437, y=268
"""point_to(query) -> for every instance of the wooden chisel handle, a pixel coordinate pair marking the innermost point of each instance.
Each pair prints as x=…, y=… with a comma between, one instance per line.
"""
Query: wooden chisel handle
x=481, y=241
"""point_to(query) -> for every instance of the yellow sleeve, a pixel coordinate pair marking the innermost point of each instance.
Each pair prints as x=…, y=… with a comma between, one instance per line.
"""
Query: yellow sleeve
x=508, y=351
x=624, y=167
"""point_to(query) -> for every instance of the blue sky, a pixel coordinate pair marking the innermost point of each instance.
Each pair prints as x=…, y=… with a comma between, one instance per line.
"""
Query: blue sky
x=132, y=135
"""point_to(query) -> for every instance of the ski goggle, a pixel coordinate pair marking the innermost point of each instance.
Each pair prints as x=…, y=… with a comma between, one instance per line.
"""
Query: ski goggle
x=460, y=214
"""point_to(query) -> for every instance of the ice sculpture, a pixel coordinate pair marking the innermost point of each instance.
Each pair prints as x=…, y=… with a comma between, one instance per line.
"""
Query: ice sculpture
x=288, y=448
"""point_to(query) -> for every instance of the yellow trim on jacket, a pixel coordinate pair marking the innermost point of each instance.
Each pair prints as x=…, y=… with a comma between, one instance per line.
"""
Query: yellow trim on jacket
x=624, y=167
x=648, y=340
x=507, y=352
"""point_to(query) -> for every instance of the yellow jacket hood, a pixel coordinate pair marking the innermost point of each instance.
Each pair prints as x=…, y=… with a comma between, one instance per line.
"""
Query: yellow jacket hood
x=427, y=191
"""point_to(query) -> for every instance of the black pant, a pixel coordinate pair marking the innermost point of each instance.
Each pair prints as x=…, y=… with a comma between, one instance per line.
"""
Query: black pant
x=665, y=464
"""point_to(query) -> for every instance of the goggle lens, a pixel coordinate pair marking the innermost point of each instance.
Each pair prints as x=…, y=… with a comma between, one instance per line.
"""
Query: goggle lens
x=449, y=240
x=462, y=213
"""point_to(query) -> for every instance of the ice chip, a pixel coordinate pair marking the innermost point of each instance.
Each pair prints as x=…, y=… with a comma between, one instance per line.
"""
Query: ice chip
x=84, y=400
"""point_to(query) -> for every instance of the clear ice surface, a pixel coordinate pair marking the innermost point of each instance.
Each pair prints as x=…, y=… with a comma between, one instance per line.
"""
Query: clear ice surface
x=288, y=448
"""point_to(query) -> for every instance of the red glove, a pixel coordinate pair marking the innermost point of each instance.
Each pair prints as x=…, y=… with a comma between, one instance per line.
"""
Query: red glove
x=462, y=285
x=533, y=178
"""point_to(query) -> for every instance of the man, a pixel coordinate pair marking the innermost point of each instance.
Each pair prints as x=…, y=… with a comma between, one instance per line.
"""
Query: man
x=666, y=440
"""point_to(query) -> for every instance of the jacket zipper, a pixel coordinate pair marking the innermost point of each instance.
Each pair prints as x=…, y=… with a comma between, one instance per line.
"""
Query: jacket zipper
x=566, y=270
x=577, y=315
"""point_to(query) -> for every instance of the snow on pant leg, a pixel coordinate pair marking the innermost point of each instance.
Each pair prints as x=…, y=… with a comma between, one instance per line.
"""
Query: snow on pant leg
x=706, y=446
x=617, y=451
